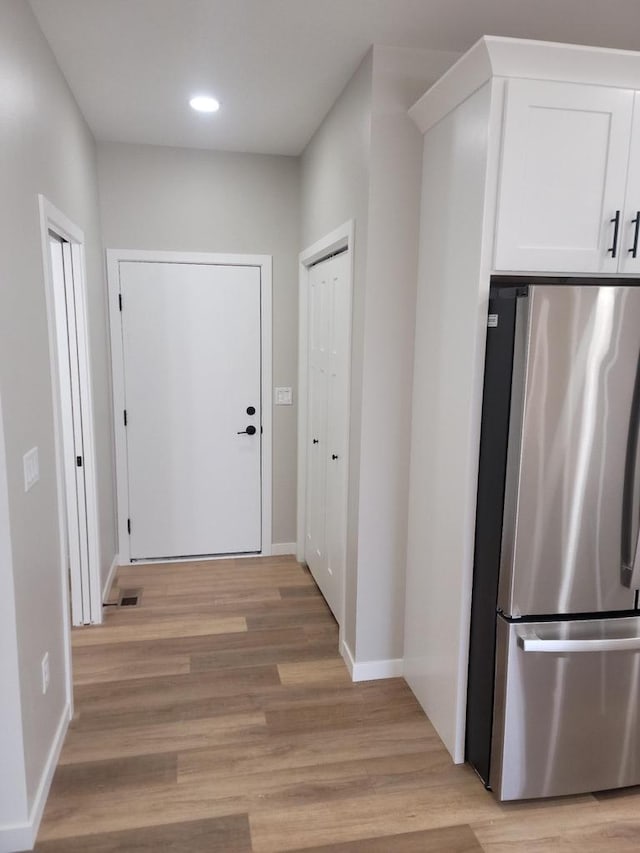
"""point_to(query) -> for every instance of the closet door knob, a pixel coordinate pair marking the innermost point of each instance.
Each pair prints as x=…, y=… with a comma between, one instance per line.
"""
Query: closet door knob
x=315, y=441
x=334, y=456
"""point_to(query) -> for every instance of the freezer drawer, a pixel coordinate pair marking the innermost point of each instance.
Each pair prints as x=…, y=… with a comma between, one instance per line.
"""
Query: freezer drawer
x=567, y=707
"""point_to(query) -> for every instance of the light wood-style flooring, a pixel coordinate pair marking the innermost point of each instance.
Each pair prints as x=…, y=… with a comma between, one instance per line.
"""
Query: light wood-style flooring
x=218, y=716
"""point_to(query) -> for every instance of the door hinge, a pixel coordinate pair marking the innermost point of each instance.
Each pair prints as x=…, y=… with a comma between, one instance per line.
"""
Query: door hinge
x=120, y=301
x=128, y=525
x=125, y=417
x=79, y=461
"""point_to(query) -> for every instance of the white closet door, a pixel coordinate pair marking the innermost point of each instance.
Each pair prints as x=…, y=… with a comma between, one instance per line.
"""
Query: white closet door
x=337, y=417
x=329, y=325
x=72, y=439
x=192, y=376
x=315, y=544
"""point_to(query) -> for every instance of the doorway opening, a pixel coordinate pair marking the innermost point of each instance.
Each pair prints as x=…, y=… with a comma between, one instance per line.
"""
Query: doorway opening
x=64, y=269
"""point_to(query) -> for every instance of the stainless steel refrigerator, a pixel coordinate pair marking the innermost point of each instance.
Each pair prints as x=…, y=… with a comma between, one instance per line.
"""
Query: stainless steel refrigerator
x=554, y=667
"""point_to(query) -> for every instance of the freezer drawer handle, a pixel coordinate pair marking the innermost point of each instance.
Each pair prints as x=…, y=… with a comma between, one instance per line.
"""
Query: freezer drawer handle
x=529, y=641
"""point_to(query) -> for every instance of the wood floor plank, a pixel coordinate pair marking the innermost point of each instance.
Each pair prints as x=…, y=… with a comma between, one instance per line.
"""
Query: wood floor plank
x=228, y=834
x=114, y=773
x=309, y=590
x=95, y=812
x=147, y=694
x=342, y=715
x=293, y=654
x=351, y=818
x=194, y=625
x=247, y=640
x=95, y=744
x=172, y=711
x=331, y=671
x=564, y=824
x=110, y=667
x=450, y=839
x=277, y=752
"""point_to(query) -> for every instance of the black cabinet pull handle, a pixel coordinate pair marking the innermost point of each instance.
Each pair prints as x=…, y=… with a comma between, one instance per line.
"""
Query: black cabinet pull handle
x=333, y=456
x=613, y=251
x=315, y=441
x=250, y=430
x=633, y=251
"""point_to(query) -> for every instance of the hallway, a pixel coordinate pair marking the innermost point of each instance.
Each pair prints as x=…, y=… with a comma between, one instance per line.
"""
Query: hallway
x=218, y=716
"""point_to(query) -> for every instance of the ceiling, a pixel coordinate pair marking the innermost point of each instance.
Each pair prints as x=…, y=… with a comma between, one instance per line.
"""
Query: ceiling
x=275, y=65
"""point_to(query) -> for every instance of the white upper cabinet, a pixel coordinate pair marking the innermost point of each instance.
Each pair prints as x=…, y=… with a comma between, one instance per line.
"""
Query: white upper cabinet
x=630, y=228
x=563, y=178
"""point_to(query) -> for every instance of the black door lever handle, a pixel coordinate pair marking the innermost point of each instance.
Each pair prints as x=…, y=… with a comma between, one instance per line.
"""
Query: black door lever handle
x=250, y=430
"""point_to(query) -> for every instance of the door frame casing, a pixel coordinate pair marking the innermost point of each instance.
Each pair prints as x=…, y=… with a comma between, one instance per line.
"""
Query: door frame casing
x=53, y=220
x=264, y=263
x=337, y=240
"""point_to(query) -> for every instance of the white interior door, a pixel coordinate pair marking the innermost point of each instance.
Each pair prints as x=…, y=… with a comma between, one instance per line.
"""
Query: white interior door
x=337, y=420
x=327, y=388
x=72, y=432
x=191, y=339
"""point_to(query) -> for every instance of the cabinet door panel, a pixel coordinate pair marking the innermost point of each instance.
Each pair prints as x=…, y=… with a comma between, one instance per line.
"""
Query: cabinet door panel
x=563, y=176
x=630, y=231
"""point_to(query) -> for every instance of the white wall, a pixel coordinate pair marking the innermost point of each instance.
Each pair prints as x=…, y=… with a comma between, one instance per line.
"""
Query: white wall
x=400, y=76
x=335, y=188
x=364, y=162
x=13, y=783
x=45, y=147
x=189, y=200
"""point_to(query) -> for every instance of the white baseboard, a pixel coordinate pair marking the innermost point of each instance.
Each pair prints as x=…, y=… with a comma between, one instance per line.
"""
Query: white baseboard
x=371, y=670
x=23, y=837
x=106, y=589
x=280, y=549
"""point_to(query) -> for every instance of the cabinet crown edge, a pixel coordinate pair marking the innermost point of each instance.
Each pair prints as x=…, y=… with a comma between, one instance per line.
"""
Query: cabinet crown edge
x=496, y=56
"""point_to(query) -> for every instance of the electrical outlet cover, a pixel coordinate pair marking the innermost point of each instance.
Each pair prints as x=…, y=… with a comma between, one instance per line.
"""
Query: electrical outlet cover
x=284, y=396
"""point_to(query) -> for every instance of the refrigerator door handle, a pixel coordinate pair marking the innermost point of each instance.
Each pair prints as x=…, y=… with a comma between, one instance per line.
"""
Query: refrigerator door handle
x=630, y=557
x=529, y=641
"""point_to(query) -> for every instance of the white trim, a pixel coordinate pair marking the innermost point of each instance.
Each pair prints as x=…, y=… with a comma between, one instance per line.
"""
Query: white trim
x=52, y=219
x=23, y=836
x=264, y=262
x=106, y=587
x=200, y=558
x=340, y=238
x=281, y=549
x=347, y=657
x=497, y=56
x=371, y=670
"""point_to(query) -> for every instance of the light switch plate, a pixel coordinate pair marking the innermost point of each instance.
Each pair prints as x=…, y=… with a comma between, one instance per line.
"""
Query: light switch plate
x=31, y=468
x=284, y=396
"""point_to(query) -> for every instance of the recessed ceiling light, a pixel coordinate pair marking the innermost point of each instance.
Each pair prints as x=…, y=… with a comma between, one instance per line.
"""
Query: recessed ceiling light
x=205, y=104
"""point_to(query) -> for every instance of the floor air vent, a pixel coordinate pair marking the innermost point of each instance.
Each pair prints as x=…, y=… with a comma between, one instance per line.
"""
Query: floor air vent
x=129, y=597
